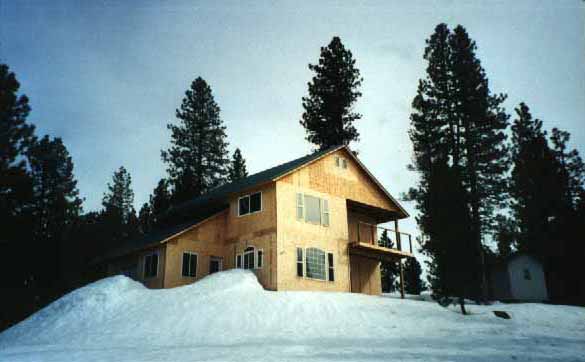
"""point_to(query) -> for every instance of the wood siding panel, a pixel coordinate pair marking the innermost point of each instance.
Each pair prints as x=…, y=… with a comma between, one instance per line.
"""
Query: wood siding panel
x=352, y=183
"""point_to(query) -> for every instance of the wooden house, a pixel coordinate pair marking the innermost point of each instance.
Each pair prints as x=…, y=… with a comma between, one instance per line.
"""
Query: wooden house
x=308, y=224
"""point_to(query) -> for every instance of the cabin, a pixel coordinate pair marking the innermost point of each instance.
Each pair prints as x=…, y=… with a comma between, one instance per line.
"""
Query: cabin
x=308, y=224
x=518, y=278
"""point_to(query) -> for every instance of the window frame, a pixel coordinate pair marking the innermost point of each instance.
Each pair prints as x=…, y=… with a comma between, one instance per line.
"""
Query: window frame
x=303, y=263
x=191, y=253
x=154, y=253
x=249, y=197
x=247, y=251
x=330, y=263
x=301, y=207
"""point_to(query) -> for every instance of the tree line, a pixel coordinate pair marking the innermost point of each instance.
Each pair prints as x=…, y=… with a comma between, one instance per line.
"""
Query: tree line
x=485, y=180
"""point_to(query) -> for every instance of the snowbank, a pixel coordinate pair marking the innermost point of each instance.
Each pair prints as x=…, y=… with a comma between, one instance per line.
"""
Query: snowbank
x=228, y=316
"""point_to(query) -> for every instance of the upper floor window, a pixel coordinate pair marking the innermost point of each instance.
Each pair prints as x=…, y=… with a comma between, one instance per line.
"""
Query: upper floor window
x=313, y=209
x=151, y=265
x=189, y=268
x=341, y=162
x=250, y=204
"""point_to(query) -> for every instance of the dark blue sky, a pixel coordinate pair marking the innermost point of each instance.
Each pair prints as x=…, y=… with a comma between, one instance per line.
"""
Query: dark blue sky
x=107, y=76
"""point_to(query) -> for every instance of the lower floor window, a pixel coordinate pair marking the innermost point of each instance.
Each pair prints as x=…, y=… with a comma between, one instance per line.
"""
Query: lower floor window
x=315, y=263
x=249, y=258
x=214, y=264
x=151, y=265
x=189, y=264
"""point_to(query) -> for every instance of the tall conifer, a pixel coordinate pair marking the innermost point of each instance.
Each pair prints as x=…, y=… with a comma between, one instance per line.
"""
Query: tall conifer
x=197, y=160
x=328, y=115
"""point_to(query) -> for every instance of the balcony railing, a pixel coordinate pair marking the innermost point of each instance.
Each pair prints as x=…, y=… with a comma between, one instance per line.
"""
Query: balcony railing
x=371, y=234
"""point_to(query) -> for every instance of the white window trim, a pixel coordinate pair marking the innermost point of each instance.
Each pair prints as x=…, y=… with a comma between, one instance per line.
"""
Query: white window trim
x=321, y=210
x=196, y=264
x=157, y=253
x=305, y=264
x=250, y=203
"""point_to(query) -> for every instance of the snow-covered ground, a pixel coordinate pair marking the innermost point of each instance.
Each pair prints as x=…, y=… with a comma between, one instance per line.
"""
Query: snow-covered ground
x=229, y=317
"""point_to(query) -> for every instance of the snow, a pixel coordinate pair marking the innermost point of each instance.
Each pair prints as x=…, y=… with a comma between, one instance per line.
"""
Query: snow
x=229, y=317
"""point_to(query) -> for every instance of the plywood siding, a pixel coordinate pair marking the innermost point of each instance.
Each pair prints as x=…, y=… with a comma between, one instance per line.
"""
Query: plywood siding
x=226, y=235
x=352, y=183
x=365, y=275
x=324, y=179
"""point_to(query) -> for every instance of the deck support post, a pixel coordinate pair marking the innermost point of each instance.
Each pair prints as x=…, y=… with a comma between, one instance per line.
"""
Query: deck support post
x=399, y=244
x=401, y=280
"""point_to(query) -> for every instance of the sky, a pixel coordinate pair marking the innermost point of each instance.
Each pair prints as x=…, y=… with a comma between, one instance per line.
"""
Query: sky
x=107, y=76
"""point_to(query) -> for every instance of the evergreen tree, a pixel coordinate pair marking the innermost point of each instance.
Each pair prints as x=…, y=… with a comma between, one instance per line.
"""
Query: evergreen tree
x=145, y=218
x=457, y=130
x=160, y=201
x=16, y=135
x=533, y=183
x=56, y=205
x=237, y=169
x=505, y=236
x=328, y=109
x=413, y=283
x=481, y=121
x=389, y=269
x=197, y=159
x=119, y=215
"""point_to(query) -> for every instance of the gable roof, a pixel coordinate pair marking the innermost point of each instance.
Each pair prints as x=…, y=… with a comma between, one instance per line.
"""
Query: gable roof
x=201, y=208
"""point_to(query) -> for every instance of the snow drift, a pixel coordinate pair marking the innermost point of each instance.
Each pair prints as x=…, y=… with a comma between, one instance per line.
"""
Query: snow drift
x=228, y=316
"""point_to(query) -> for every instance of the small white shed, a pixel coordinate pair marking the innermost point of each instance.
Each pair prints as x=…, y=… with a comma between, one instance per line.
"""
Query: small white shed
x=519, y=278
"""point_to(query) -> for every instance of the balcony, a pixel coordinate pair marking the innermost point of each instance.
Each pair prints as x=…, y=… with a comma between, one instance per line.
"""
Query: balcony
x=366, y=240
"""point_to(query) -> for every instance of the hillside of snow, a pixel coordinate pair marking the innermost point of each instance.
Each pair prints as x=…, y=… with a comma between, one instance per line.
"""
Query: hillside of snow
x=229, y=317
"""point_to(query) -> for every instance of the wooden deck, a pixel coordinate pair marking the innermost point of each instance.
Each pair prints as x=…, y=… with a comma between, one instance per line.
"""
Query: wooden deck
x=377, y=252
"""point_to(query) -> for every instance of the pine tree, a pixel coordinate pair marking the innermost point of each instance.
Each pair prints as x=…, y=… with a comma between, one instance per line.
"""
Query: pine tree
x=481, y=121
x=56, y=205
x=389, y=270
x=197, y=159
x=145, y=218
x=413, y=283
x=16, y=135
x=237, y=169
x=119, y=215
x=533, y=183
x=328, y=116
x=160, y=202
x=505, y=236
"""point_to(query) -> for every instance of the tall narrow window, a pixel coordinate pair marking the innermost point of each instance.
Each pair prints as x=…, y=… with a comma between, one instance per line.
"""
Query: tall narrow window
x=299, y=262
x=344, y=163
x=260, y=259
x=151, y=265
x=325, y=216
x=330, y=267
x=313, y=209
x=239, y=261
x=249, y=257
x=315, y=263
x=300, y=206
x=189, y=264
